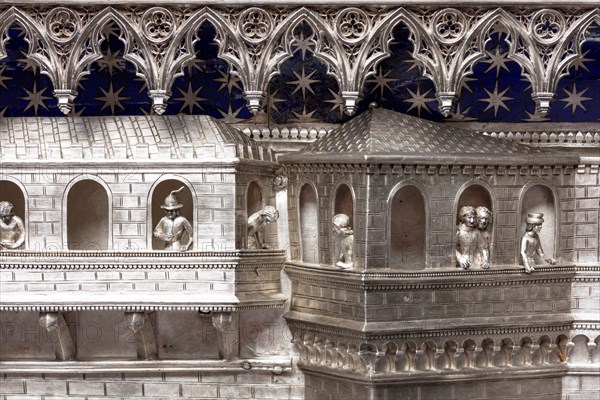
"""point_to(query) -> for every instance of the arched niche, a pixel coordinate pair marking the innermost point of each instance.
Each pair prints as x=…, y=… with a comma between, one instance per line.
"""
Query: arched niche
x=539, y=198
x=474, y=195
x=254, y=198
x=88, y=216
x=15, y=194
x=344, y=202
x=308, y=209
x=477, y=195
x=408, y=226
x=158, y=196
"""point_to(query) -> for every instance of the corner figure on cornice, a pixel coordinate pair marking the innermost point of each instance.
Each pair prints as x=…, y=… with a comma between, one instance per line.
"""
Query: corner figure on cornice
x=530, y=243
x=12, y=230
x=345, y=239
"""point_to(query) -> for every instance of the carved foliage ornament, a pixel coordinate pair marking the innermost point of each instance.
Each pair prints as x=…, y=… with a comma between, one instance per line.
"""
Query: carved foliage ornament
x=255, y=41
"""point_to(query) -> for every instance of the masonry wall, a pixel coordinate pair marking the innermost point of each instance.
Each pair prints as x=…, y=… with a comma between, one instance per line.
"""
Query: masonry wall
x=155, y=385
x=129, y=187
x=576, y=193
x=326, y=184
x=318, y=388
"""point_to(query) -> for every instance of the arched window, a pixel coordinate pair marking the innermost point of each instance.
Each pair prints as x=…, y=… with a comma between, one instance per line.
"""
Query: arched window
x=479, y=197
x=88, y=216
x=344, y=202
x=254, y=198
x=540, y=199
x=309, y=224
x=184, y=197
x=11, y=192
x=475, y=196
x=408, y=225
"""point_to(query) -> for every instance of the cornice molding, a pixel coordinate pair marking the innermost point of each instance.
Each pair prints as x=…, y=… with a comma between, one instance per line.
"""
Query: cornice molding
x=276, y=365
x=450, y=279
x=350, y=38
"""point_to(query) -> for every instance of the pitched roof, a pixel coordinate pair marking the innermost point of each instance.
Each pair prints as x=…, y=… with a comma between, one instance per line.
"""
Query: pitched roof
x=380, y=135
x=125, y=137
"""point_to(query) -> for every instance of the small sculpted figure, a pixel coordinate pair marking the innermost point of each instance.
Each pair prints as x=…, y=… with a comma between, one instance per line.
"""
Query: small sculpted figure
x=484, y=218
x=345, y=237
x=530, y=242
x=12, y=230
x=172, y=227
x=470, y=244
x=256, y=225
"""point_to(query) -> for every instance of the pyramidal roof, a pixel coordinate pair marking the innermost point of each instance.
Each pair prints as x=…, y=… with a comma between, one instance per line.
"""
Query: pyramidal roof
x=151, y=137
x=385, y=136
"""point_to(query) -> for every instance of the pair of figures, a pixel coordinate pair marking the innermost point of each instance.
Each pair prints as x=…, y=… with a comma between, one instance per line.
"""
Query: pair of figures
x=472, y=238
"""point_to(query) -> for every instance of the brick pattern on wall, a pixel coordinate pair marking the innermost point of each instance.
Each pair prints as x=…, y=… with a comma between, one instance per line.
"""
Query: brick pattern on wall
x=130, y=386
x=130, y=188
x=578, y=209
x=318, y=388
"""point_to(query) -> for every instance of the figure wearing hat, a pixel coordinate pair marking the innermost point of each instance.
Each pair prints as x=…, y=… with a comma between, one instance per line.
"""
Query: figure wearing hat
x=12, y=230
x=173, y=227
x=530, y=242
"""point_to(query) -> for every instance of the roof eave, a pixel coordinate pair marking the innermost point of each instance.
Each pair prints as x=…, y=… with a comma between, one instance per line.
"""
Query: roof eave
x=432, y=159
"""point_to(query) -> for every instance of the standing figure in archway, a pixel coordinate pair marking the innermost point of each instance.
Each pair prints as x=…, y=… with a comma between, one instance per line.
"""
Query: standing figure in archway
x=173, y=227
x=530, y=243
x=470, y=244
x=12, y=230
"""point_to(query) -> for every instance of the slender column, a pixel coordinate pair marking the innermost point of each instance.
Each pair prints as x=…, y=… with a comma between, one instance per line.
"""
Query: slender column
x=145, y=342
x=227, y=326
x=56, y=325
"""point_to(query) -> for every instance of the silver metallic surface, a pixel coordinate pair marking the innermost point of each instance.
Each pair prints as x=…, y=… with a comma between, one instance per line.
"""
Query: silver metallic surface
x=350, y=40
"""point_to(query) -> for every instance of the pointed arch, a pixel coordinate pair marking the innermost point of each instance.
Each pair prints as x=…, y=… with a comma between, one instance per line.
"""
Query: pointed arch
x=382, y=35
x=231, y=49
x=87, y=49
x=472, y=50
x=40, y=49
x=565, y=54
x=278, y=49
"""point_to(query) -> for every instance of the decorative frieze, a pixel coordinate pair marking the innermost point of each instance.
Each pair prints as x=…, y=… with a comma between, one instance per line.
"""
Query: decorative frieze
x=351, y=41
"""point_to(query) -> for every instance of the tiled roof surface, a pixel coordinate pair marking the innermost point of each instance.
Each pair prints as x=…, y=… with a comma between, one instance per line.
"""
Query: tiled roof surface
x=381, y=131
x=125, y=137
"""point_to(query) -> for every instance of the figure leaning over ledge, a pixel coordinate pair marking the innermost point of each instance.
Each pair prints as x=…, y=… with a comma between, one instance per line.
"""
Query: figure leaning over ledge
x=257, y=224
x=345, y=236
x=530, y=243
x=470, y=243
x=173, y=227
x=12, y=230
